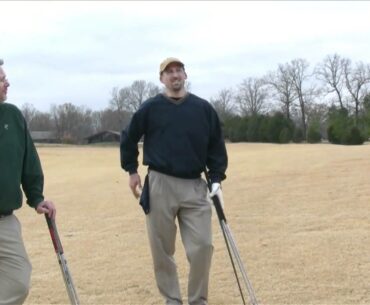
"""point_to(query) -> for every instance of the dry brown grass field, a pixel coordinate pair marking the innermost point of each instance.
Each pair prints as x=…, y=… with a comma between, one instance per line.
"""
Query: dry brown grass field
x=300, y=215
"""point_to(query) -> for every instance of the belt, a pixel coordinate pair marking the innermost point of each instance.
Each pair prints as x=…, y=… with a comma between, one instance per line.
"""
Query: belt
x=188, y=176
x=4, y=214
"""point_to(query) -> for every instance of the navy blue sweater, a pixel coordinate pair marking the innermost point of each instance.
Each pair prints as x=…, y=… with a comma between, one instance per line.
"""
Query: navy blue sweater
x=180, y=139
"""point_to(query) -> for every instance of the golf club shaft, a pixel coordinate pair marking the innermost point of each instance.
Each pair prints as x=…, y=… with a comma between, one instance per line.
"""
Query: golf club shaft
x=235, y=251
x=230, y=243
x=233, y=264
x=222, y=219
x=72, y=294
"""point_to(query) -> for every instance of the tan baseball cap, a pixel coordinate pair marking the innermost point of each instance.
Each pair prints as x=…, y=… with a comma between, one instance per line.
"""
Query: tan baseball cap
x=168, y=61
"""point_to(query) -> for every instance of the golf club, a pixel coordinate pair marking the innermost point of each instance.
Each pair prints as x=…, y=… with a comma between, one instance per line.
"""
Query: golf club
x=72, y=294
x=232, y=248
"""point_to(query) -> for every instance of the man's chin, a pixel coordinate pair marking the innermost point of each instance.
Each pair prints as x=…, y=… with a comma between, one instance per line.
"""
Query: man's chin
x=177, y=88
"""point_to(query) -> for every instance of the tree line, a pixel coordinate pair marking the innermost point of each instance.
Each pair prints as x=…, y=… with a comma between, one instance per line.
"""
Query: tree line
x=294, y=102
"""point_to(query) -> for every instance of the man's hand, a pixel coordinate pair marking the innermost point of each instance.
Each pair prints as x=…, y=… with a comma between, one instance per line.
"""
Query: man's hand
x=135, y=185
x=215, y=187
x=46, y=207
x=217, y=191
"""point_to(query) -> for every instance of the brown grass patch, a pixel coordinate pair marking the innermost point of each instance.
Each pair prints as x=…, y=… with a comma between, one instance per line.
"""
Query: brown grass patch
x=299, y=214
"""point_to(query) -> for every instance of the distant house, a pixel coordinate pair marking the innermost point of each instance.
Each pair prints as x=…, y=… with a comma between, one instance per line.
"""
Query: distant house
x=44, y=137
x=104, y=136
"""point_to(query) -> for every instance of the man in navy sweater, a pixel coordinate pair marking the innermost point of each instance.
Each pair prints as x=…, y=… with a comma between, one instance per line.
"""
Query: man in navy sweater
x=182, y=137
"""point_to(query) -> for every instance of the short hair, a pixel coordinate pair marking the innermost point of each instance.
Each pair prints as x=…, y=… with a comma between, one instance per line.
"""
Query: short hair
x=1, y=62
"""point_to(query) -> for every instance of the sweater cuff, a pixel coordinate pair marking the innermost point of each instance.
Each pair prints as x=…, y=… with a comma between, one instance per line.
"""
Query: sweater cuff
x=132, y=171
x=216, y=177
x=215, y=180
x=35, y=202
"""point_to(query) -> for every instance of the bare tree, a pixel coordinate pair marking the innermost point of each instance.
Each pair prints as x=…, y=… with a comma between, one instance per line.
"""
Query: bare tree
x=331, y=72
x=318, y=112
x=72, y=123
x=281, y=82
x=109, y=119
x=140, y=90
x=357, y=80
x=299, y=76
x=120, y=100
x=251, y=96
x=223, y=103
x=36, y=120
x=130, y=98
x=119, y=106
x=28, y=111
x=153, y=90
x=138, y=94
x=41, y=121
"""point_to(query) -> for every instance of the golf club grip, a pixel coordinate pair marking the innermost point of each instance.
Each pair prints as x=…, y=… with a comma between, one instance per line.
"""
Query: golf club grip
x=218, y=207
x=54, y=234
x=216, y=200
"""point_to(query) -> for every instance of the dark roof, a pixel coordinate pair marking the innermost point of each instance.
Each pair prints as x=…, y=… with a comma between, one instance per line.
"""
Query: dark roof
x=104, y=132
x=43, y=135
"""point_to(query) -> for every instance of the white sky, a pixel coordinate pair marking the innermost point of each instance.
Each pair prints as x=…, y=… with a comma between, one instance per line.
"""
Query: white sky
x=77, y=51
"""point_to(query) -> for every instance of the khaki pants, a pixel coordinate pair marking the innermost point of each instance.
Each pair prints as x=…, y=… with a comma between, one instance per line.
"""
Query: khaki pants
x=15, y=267
x=186, y=199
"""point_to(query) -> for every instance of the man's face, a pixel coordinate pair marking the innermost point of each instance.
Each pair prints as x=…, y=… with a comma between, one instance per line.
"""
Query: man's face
x=4, y=84
x=173, y=77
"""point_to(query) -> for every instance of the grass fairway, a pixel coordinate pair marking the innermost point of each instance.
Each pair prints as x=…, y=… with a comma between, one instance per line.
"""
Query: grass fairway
x=300, y=215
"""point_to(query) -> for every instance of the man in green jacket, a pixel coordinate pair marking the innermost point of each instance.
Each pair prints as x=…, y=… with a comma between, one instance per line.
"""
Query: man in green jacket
x=19, y=166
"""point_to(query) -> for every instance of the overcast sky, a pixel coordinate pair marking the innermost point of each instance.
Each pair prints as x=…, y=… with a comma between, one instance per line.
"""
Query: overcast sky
x=77, y=51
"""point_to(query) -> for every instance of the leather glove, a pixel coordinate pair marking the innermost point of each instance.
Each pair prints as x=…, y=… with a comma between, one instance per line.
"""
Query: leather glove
x=217, y=191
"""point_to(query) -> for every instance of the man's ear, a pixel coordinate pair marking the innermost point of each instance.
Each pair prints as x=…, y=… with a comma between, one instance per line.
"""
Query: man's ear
x=160, y=78
x=186, y=76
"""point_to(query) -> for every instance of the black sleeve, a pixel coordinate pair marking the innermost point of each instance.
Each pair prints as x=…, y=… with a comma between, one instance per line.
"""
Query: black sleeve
x=129, y=141
x=217, y=156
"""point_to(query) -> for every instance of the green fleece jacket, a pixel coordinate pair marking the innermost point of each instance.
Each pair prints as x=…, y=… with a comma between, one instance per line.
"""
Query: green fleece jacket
x=19, y=162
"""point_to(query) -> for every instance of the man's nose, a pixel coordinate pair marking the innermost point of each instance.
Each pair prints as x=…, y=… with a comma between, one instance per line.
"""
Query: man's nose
x=176, y=73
